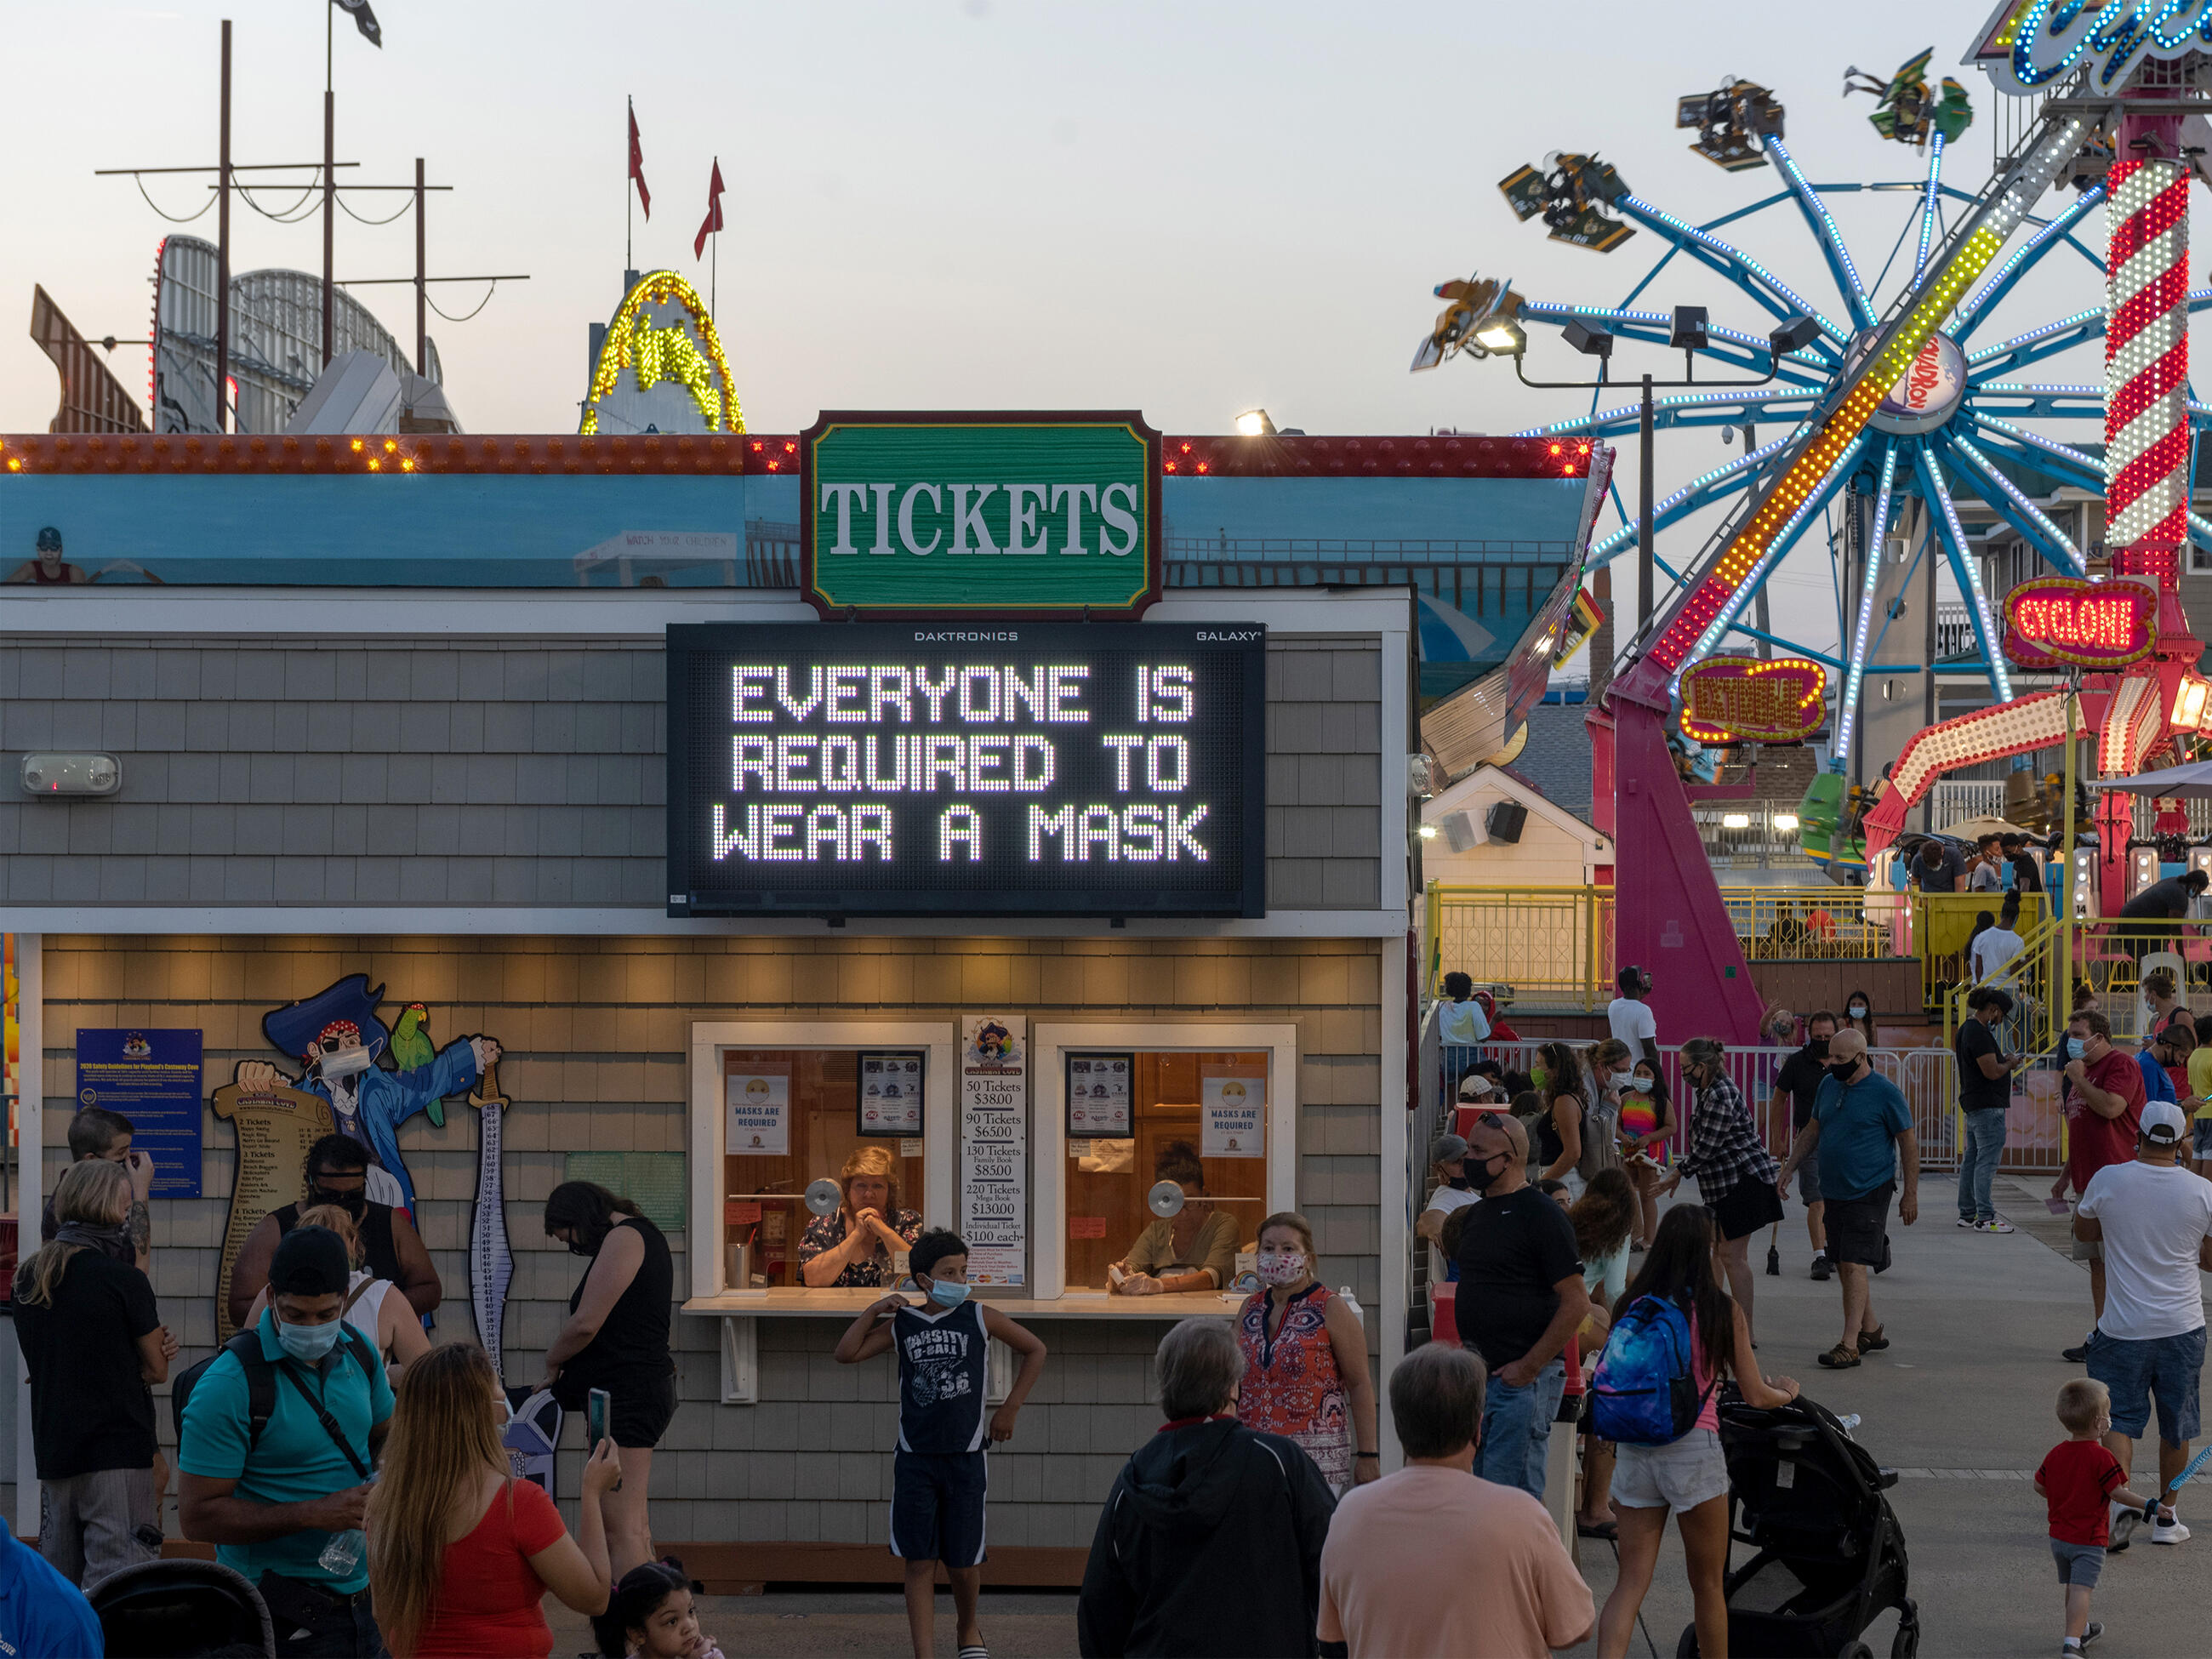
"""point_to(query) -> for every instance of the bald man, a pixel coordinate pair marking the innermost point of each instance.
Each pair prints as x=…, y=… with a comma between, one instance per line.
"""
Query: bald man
x=1862, y=1131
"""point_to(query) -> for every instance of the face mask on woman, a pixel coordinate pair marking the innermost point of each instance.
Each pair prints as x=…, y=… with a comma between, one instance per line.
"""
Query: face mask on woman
x=1858, y=1011
x=1540, y=1075
x=1631, y=1080
x=1282, y=1266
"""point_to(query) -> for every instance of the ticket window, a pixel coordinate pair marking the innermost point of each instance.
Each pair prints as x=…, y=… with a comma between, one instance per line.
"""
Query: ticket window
x=1215, y=1104
x=796, y=1115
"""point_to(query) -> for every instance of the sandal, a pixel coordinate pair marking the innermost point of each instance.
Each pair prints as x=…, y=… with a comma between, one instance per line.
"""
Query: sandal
x=1873, y=1341
x=1839, y=1357
x=1607, y=1530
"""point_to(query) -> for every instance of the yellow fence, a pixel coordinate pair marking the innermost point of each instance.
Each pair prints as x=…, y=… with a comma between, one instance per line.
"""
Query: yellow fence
x=1553, y=946
x=1846, y=924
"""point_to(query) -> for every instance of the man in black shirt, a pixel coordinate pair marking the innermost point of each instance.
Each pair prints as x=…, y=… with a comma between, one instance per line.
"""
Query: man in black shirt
x=1800, y=1078
x=2026, y=873
x=1521, y=1296
x=2167, y=899
x=1985, y=1094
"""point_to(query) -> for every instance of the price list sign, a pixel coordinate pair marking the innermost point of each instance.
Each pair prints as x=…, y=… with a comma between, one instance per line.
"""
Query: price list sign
x=1019, y=769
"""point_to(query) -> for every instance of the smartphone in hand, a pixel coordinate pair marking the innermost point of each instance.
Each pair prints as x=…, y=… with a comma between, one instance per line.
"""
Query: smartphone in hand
x=596, y=1405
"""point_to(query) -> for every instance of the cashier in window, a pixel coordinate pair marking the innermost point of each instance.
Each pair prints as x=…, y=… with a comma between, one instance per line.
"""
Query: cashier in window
x=854, y=1242
x=1194, y=1249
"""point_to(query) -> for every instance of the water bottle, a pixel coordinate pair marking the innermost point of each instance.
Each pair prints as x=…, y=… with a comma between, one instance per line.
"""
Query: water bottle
x=1847, y=1423
x=341, y=1557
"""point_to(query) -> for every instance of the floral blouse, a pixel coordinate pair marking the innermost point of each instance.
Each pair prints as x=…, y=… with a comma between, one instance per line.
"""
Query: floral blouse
x=1290, y=1385
x=826, y=1232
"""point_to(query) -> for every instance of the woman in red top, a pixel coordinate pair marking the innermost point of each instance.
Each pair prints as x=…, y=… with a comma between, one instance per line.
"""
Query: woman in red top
x=1305, y=1360
x=459, y=1552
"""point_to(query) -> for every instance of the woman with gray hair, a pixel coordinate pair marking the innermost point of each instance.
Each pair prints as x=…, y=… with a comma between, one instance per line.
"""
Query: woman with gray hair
x=1205, y=1504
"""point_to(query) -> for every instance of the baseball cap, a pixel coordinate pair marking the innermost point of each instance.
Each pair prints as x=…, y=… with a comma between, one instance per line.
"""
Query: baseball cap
x=309, y=1262
x=2163, y=1124
x=1478, y=1085
x=1447, y=1148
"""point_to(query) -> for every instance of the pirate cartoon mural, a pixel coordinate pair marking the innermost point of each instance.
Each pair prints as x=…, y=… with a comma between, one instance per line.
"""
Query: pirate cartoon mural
x=337, y=1037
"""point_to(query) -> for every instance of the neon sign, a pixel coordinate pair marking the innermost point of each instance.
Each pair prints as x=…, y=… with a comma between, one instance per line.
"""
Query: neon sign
x=684, y=352
x=2027, y=44
x=1750, y=699
x=1097, y=768
x=2056, y=621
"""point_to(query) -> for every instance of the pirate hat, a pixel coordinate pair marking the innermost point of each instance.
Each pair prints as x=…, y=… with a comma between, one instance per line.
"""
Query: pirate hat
x=294, y=1028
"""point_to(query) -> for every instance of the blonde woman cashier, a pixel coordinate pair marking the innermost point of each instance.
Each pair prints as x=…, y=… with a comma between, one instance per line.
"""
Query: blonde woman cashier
x=1193, y=1250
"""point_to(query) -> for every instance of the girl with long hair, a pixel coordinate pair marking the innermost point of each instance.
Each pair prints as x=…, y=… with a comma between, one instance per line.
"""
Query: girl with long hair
x=1735, y=1173
x=1558, y=1074
x=1603, y=1218
x=94, y=1344
x=461, y=1552
x=615, y=1338
x=389, y=1321
x=1858, y=1016
x=1689, y=1476
x=651, y=1617
x=1646, y=1124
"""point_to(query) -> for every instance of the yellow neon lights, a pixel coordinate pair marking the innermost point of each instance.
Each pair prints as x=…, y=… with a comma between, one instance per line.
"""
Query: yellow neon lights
x=667, y=353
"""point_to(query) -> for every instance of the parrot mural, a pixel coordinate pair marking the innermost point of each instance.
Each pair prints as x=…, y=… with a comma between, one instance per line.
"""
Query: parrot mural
x=412, y=1049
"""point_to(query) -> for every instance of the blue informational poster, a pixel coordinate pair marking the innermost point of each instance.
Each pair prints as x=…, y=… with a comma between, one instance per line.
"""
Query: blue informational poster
x=152, y=1077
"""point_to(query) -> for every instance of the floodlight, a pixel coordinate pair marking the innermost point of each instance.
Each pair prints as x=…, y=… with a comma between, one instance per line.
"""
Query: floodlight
x=1689, y=333
x=1428, y=832
x=1254, y=423
x=1501, y=334
x=1735, y=821
x=1586, y=338
x=1793, y=335
x=1785, y=820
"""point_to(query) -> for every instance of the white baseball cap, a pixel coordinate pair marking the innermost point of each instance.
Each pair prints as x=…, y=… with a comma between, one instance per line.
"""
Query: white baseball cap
x=2162, y=1123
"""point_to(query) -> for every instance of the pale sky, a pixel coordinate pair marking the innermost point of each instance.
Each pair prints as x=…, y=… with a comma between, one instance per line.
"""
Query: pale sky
x=1187, y=209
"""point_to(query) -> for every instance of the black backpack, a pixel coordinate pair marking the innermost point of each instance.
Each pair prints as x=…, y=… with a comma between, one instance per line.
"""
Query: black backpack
x=261, y=1389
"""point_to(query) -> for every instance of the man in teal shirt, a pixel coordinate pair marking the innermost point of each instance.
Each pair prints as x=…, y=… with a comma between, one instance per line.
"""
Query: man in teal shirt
x=1862, y=1130
x=271, y=1507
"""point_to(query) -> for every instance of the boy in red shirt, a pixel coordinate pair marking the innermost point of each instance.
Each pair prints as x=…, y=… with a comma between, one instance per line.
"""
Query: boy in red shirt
x=2080, y=1480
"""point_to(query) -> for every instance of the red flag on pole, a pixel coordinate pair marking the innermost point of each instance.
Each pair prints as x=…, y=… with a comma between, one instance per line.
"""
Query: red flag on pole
x=713, y=211
x=637, y=167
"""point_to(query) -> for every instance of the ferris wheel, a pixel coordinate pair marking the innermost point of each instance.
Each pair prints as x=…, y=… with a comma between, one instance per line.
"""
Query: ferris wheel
x=1954, y=420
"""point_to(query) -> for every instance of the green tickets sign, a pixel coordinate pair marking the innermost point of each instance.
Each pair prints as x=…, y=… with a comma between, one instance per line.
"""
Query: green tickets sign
x=949, y=515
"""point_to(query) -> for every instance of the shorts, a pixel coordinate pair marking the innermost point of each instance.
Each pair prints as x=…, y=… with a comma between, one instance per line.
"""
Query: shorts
x=1858, y=1229
x=2202, y=1131
x=2079, y=1564
x=1809, y=1182
x=936, y=1506
x=1677, y=1476
x=2088, y=1250
x=2164, y=1369
x=640, y=1406
x=1745, y=1207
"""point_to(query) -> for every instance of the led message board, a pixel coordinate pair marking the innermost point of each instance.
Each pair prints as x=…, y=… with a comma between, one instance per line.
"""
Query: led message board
x=2051, y=620
x=1729, y=700
x=1106, y=768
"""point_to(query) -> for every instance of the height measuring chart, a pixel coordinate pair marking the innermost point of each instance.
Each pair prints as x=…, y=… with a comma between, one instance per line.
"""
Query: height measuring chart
x=1106, y=768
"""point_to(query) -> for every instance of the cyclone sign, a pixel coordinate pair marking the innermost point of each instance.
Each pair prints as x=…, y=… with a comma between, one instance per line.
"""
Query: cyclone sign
x=2026, y=44
x=1928, y=393
x=2056, y=621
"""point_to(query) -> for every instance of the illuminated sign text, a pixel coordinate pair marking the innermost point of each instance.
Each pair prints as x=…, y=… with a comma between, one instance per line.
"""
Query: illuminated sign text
x=2056, y=620
x=1729, y=700
x=897, y=769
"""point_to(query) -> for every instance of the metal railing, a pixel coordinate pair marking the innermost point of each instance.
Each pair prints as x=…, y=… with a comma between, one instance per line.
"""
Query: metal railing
x=1938, y=927
x=1553, y=946
x=1850, y=924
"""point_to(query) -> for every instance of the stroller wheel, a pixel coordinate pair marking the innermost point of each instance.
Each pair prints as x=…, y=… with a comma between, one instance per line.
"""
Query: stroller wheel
x=1854, y=1651
x=1906, y=1643
x=1687, y=1647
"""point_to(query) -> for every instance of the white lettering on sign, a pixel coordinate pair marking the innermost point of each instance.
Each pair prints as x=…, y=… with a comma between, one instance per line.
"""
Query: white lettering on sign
x=994, y=1147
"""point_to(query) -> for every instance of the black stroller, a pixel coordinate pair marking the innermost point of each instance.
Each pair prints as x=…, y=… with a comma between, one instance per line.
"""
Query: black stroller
x=1830, y=1553
x=181, y=1609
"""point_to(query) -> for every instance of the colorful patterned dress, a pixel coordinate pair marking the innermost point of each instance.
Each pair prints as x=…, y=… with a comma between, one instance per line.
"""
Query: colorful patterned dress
x=1290, y=1385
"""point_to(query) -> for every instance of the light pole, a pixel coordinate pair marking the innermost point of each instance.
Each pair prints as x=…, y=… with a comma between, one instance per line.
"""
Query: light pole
x=1504, y=335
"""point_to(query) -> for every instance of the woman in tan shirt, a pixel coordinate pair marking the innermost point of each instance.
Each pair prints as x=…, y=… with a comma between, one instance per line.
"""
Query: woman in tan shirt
x=1193, y=1250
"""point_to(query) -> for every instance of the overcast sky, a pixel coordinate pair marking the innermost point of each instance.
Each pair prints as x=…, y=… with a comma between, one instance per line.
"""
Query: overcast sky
x=1184, y=209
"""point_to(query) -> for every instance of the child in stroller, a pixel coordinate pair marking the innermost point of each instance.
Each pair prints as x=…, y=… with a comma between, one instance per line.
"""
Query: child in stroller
x=1829, y=1555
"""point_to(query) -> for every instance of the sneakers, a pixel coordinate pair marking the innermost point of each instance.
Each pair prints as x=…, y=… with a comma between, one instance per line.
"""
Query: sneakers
x=1820, y=1269
x=2124, y=1524
x=1965, y=1221
x=2072, y=1645
x=1996, y=1223
x=2076, y=1355
x=2169, y=1532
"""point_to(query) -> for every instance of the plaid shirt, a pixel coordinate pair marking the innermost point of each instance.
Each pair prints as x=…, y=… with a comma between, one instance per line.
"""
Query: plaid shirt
x=1724, y=1145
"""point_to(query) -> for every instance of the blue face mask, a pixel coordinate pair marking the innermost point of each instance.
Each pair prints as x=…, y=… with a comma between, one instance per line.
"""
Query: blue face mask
x=309, y=1344
x=947, y=1292
x=2074, y=1047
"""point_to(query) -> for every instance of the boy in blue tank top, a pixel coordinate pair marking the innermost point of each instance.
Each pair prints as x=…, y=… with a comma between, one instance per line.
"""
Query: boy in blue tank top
x=937, y=1472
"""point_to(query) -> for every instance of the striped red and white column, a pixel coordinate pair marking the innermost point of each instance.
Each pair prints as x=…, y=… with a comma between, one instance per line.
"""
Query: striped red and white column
x=2147, y=368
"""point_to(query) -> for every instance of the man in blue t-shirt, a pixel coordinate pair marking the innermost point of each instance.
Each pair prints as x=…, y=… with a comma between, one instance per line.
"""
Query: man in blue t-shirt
x=1862, y=1131
x=42, y=1614
x=273, y=1506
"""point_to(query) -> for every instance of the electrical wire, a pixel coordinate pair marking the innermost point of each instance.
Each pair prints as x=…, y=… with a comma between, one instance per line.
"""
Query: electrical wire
x=283, y=216
x=465, y=317
x=172, y=218
x=350, y=214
